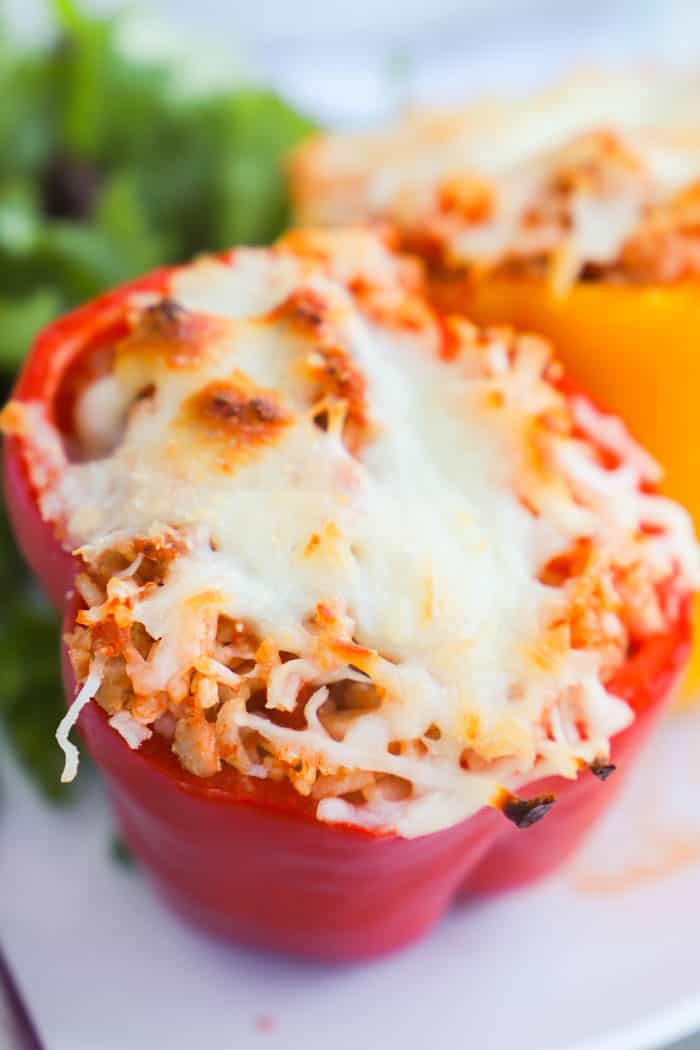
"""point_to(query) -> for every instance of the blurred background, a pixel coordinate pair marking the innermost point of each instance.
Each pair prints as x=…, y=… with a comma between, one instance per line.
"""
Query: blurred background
x=334, y=59
x=135, y=135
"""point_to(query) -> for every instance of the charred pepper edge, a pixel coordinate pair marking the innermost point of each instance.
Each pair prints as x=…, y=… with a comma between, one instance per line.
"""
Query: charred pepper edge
x=602, y=769
x=523, y=812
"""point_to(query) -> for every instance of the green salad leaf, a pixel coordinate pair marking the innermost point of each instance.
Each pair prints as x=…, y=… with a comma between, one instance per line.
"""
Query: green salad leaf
x=109, y=167
x=20, y=318
x=31, y=697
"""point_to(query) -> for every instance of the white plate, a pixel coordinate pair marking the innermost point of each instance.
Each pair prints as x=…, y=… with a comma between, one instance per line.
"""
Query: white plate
x=602, y=957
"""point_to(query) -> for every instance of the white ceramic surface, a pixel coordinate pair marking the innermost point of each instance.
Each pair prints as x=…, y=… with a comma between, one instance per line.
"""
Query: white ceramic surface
x=602, y=957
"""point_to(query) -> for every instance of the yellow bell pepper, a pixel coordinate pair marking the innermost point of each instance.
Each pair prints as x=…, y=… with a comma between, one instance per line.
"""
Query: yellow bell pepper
x=636, y=349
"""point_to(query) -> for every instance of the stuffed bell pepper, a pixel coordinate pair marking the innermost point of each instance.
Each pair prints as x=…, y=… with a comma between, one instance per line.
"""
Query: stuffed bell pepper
x=363, y=604
x=576, y=216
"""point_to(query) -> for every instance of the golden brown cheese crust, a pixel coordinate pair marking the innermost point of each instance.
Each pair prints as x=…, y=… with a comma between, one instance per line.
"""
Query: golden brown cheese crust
x=348, y=543
x=233, y=419
x=166, y=331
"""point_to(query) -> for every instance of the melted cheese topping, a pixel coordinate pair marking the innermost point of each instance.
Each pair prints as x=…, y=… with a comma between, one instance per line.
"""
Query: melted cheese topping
x=570, y=177
x=378, y=503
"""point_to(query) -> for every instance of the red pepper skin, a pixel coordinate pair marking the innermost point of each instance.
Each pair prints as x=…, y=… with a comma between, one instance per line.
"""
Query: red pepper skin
x=55, y=350
x=51, y=563
x=246, y=858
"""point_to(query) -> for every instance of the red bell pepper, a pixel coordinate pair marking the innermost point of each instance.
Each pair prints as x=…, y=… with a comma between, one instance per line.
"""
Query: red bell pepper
x=247, y=858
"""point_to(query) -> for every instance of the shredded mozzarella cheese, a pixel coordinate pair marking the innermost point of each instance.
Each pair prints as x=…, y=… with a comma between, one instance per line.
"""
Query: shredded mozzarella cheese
x=85, y=695
x=367, y=504
x=132, y=731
